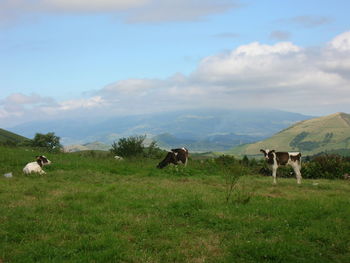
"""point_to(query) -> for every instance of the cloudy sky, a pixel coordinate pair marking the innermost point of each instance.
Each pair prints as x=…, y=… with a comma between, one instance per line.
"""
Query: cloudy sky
x=93, y=58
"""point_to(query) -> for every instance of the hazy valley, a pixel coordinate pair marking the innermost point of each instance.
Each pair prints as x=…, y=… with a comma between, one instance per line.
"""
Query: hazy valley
x=199, y=130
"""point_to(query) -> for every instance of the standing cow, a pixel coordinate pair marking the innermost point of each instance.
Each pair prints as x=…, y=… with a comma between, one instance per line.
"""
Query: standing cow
x=276, y=159
x=175, y=156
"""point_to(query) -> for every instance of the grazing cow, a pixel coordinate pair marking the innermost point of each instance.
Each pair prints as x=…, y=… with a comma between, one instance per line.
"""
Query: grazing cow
x=36, y=167
x=276, y=159
x=175, y=156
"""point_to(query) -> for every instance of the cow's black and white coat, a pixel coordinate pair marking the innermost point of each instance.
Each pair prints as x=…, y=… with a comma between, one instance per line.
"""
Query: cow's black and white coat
x=276, y=159
x=36, y=167
x=175, y=156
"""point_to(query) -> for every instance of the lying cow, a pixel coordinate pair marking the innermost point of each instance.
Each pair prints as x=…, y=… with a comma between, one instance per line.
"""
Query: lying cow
x=276, y=159
x=118, y=158
x=36, y=167
x=175, y=156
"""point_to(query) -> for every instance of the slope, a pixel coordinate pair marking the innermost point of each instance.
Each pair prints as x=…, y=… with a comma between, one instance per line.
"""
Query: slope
x=10, y=137
x=312, y=136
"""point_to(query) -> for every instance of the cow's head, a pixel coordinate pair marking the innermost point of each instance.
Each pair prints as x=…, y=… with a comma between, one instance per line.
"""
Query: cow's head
x=42, y=160
x=268, y=154
x=169, y=158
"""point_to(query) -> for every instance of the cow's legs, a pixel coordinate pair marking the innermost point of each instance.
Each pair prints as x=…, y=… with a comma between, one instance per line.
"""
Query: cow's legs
x=297, y=172
x=274, y=173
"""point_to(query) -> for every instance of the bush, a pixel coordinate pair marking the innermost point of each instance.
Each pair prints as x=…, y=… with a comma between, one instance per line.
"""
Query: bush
x=225, y=160
x=153, y=151
x=326, y=166
x=133, y=146
x=49, y=142
x=127, y=147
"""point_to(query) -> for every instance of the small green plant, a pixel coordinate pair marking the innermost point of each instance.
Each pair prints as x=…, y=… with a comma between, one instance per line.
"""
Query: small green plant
x=232, y=172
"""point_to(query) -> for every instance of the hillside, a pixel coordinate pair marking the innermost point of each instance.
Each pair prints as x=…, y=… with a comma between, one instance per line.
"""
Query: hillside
x=312, y=136
x=10, y=137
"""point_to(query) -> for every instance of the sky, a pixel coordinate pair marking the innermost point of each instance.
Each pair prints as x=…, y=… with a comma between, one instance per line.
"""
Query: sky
x=102, y=58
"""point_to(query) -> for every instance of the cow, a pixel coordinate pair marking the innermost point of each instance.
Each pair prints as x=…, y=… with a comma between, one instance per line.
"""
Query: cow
x=175, y=156
x=118, y=158
x=276, y=159
x=36, y=167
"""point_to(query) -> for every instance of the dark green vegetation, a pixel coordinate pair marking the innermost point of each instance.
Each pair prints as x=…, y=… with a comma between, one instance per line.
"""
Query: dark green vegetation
x=91, y=208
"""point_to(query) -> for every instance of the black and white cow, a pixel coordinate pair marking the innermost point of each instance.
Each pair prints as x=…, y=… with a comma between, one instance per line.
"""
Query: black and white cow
x=36, y=167
x=175, y=156
x=276, y=159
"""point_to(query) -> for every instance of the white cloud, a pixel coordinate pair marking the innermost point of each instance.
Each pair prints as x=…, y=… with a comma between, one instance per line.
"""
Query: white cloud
x=132, y=11
x=82, y=6
x=92, y=102
x=134, y=87
x=180, y=10
x=254, y=60
x=282, y=76
x=341, y=42
x=336, y=57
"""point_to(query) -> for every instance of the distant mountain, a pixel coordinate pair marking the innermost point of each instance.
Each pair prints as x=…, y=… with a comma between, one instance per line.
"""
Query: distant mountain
x=205, y=129
x=219, y=142
x=329, y=133
x=10, y=137
x=87, y=146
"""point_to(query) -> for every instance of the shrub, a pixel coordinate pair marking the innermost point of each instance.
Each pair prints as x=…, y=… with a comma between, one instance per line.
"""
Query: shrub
x=49, y=142
x=326, y=166
x=128, y=147
x=153, y=151
x=225, y=160
x=133, y=146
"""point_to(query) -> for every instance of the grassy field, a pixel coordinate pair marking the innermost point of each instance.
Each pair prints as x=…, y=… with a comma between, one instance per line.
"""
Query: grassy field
x=91, y=208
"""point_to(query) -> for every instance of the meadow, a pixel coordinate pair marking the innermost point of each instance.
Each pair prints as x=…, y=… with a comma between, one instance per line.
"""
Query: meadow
x=92, y=208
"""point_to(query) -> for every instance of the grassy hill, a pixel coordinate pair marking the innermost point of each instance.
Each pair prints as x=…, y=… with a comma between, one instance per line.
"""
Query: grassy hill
x=328, y=133
x=92, y=209
x=10, y=137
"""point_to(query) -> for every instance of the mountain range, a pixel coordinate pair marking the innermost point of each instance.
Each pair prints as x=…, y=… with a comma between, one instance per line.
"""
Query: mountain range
x=199, y=130
x=232, y=132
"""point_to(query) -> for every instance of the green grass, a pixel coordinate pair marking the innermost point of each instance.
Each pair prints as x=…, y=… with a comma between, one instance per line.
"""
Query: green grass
x=95, y=209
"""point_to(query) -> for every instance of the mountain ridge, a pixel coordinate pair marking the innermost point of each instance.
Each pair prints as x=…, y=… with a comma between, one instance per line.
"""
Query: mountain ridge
x=204, y=129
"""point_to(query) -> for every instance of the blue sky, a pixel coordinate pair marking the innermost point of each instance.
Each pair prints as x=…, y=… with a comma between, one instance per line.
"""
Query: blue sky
x=114, y=57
